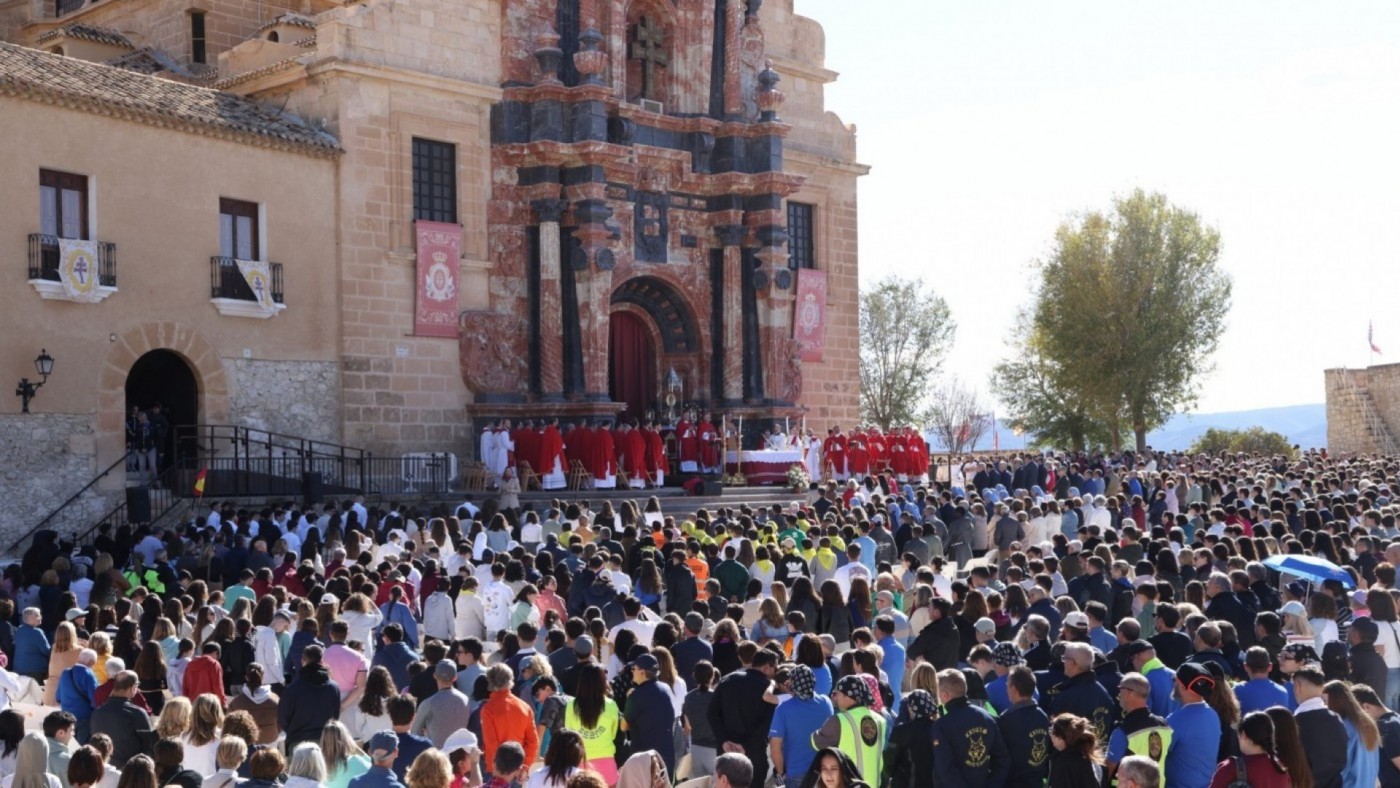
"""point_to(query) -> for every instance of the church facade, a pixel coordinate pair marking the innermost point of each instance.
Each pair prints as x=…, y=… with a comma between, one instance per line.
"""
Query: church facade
x=487, y=209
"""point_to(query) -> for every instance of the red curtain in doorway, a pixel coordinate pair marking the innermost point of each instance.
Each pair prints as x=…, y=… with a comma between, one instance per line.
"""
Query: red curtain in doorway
x=631, y=365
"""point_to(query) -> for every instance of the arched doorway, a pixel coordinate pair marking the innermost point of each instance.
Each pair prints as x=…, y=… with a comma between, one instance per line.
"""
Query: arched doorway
x=631, y=364
x=162, y=376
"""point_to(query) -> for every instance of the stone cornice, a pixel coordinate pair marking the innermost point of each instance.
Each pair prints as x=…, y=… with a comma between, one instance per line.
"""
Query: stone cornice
x=484, y=93
x=817, y=161
x=803, y=70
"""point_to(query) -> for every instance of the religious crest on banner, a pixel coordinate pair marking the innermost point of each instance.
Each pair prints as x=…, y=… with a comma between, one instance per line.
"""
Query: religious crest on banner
x=259, y=278
x=77, y=270
x=439, y=255
x=809, y=322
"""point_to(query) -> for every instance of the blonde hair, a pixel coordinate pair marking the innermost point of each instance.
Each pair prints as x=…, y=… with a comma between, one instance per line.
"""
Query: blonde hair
x=175, y=718
x=307, y=762
x=337, y=746
x=231, y=753
x=208, y=716
x=924, y=677
x=430, y=769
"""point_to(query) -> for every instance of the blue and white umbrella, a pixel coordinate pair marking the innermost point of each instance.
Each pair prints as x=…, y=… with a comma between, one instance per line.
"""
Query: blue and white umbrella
x=1309, y=567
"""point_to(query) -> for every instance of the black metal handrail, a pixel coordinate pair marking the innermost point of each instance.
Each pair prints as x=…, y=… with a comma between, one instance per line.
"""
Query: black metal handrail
x=43, y=259
x=71, y=499
x=163, y=499
x=243, y=461
x=226, y=281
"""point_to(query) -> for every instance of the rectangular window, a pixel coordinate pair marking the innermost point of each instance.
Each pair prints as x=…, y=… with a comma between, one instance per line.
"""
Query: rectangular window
x=67, y=6
x=63, y=205
x=238, y=229
x=197, y=49
x=802, y=232
x=434, y=181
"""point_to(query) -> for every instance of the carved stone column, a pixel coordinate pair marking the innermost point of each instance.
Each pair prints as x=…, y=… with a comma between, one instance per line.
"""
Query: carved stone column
x=551, y=307
x=773, y=282
x=593, y=283
x=731, y=236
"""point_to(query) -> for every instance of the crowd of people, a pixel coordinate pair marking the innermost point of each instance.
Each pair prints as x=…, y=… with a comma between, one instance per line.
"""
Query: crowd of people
x=1074, y=621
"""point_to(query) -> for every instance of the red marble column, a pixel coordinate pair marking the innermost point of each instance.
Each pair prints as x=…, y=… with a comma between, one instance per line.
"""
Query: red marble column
x=551, y=307
x=731, y=237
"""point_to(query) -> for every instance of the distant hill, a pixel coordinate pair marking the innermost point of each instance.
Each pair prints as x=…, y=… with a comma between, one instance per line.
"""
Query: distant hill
x=1305, y=425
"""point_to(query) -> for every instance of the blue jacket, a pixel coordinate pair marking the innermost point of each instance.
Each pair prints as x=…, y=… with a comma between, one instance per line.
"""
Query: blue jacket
x=399, y=613
x=31, y=651
x=893, y=665
x=1026, y=729
x=77, y=691
x=1085, y=697
x=396, y=657
x=377, y=777
x=968, y=748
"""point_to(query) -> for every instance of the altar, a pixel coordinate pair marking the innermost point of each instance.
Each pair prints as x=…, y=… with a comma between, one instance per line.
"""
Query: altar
x=763, y=467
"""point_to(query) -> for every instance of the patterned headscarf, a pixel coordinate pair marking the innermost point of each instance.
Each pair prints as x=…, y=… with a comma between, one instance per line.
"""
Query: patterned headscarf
x=1007, y=655
x=855, y=688
x=877, y=702
x=921, y=704
x=1301, y=652
x=803, y=683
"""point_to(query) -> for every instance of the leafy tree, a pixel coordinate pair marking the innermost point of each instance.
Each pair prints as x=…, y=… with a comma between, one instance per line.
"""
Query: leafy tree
x=1255, y=440
x=1129, y=309
x=1041, y=400
x=905, y=332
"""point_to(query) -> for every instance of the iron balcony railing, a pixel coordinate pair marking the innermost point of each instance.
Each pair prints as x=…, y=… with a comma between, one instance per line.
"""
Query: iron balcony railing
x=226, y=281
x=43, y=259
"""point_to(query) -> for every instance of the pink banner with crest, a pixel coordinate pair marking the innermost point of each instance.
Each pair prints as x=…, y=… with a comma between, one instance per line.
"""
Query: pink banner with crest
x=809, y=320
x=439, y=250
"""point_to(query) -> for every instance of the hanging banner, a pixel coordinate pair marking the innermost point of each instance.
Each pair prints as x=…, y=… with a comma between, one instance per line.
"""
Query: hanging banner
x=439, y=253
x=259, y=278
x=809, y=322
x=77, y=269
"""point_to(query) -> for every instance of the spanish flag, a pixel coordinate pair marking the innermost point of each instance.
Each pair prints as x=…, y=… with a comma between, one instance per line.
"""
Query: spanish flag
x=199, y=482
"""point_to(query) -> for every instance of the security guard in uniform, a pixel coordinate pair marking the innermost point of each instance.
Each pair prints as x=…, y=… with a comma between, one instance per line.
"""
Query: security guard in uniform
x=138, y=576
x=968, y=748
x=1140, y=732
x=856, y=729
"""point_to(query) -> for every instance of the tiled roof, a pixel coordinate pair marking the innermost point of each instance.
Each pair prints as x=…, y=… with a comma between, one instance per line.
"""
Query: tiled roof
x=146, y=60
x=101, y=35
x=258, y=73
x=296, y=20
x=40, y=76
x=306, y=43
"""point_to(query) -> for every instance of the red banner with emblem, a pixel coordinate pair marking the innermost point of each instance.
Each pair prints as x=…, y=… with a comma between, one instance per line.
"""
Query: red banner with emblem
x=439, y=253
x=809, y=320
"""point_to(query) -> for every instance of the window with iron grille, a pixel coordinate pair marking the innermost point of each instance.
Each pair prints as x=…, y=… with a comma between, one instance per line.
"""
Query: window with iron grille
x=434, y=181
x=802, y=232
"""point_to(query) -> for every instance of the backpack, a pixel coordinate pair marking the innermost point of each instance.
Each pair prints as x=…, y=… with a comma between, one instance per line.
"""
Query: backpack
x=1241, y=778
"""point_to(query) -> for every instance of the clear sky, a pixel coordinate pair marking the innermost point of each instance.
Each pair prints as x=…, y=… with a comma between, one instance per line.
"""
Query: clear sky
x=988, y=122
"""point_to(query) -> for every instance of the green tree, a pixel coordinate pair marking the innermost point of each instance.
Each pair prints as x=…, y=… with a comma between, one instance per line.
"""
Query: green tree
x=1255, y=440
x=905, y=332
x=1130, y=308
x=1041, y=400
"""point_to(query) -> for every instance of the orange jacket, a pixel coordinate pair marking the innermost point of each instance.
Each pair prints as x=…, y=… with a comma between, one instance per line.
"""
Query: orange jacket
x=506, y=718
x=204, y=675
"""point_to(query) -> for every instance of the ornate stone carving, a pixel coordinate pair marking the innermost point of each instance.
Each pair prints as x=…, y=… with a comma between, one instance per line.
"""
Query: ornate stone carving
x=792, y=371
x=492, y=352
x=590, y=60
x=769, y=98
x=730, y=234
x=548, y=55
x=549, y=210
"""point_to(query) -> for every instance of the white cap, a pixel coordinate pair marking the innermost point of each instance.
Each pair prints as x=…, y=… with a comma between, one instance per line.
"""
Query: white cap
x=461, y=739
x=1077, y=620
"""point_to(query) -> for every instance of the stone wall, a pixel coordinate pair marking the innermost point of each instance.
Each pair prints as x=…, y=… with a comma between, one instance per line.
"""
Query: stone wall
x=300, y=398
x=1363, y=409
x=48, y=457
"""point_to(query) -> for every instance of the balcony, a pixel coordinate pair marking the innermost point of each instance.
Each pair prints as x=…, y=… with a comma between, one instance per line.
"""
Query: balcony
x=231, y=295
x=43, y=270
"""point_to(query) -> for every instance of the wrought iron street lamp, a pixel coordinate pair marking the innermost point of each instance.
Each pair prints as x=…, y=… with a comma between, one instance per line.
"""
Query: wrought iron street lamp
x=27, y=390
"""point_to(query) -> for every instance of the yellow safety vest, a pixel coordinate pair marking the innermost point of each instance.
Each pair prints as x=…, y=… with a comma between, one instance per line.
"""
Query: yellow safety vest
x=863, y=738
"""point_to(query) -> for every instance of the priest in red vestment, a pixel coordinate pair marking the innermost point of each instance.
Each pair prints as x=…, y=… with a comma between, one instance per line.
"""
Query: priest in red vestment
x=527, y=440
x=602, y=458
x=656, y=454
x=834, y=449
x=709, y=445
x=634, y=455
x=551, y=459
x=858, y=458
x=689, y=438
